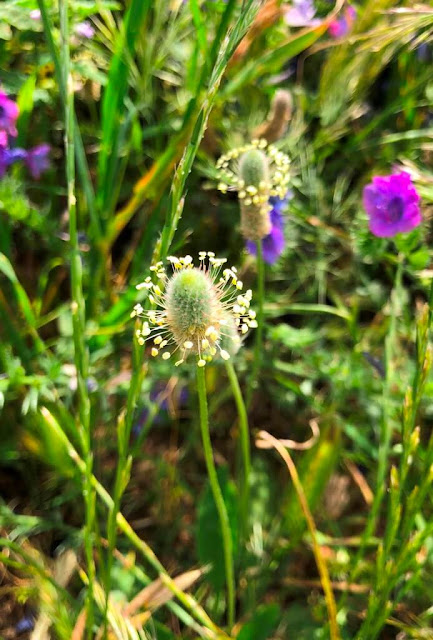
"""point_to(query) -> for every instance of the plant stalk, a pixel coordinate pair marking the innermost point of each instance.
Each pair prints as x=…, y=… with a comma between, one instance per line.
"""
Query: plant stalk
x=78, y=316
x=245, y=445
x=218, y=496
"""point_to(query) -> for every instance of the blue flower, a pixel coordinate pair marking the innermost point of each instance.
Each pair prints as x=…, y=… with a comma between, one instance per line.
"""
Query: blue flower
x=273, y=244
x=37, y=160
x=8, y=156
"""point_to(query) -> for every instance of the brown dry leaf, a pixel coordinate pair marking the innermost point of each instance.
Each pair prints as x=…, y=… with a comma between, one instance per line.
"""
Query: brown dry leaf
x=80, y=626
x=156, y=594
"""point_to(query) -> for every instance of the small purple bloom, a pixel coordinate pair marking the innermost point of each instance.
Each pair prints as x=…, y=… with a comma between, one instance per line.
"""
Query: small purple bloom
x=8, y=114
x=37, y=160
x=301, y=14
x=84, y=30
x=25, y=624
x=9, y=156
x=392, y=204
x=273, y=244
x=340, y=28
x=35, y=14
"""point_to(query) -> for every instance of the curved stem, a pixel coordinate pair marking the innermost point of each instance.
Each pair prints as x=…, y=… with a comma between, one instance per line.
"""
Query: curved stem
x=259, y=331
x=245, y=445
x=217, y=494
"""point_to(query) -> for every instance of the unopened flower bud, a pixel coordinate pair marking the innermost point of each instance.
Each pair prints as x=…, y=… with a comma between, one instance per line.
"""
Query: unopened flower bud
x=279, y=117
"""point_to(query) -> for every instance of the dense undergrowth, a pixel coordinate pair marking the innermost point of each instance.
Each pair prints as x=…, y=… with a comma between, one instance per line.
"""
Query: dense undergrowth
x=248, y=457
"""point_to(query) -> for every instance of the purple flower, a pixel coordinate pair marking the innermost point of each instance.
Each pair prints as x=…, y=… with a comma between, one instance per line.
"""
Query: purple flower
x=9, y=156
x=273, y=244
x=37, y=160
x=340, y=28
x=392, y=205
x=35, y=14
x=8, y=114
x=301, y=14
x=84, y=29
x=25, y=624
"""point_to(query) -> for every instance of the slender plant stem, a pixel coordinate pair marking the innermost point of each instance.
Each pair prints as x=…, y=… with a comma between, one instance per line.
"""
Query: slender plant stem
x=218, y=496
x=124, y=427
x=245, y=445
x=187, y=600
x=258, y=347
x=78, y=315
x=386, y=426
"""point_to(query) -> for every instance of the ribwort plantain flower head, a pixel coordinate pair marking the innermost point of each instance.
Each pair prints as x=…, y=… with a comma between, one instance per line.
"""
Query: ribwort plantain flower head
x=256, y=171
x=198, y=310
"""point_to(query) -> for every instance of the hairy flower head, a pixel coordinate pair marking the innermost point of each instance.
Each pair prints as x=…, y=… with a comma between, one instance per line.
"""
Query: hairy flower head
x=198, y=310
x=256, y=171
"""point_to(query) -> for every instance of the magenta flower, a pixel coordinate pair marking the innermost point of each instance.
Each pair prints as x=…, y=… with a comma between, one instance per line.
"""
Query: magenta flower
x=37, y=160
x=8, y=114
x=85, y=30
x=273, y=244
x=392, y=204
x=340, y=28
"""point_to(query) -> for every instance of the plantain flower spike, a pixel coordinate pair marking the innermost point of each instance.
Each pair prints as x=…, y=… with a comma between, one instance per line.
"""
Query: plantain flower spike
x=198, y=311
x=279, y=117
x=256, y=171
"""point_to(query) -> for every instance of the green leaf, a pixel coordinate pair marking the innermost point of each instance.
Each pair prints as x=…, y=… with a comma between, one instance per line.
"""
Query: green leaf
x=262, y=624
x=292, y=337
x=208, y=532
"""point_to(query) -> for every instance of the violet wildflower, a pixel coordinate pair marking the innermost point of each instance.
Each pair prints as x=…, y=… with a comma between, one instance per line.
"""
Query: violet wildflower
x=341, y=27
x=35, y=14
x=9, y=156
x=85, y=30
x=301, y=14
x=392, y=204
x=273, y=244
x=37, y=160
x=8, y=114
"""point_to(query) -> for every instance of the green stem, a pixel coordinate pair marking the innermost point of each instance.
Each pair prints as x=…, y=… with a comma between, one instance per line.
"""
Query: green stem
x=78, y=314
x=245, y=445
x=386, y=426
x=123, y=467
x=258, y=347
x=218, y=496
x=187, y=600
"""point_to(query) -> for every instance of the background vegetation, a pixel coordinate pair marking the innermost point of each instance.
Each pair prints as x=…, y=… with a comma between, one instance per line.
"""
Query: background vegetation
x=91, y=427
